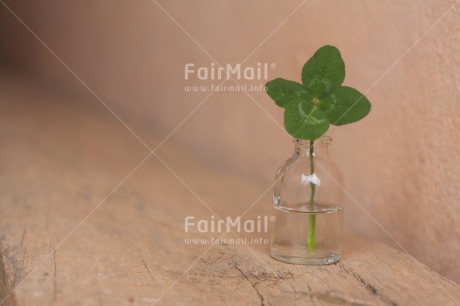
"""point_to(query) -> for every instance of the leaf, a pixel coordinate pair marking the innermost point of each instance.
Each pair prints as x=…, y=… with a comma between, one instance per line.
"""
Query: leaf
x=305, y=121
x=323, y=72
x=345, y=105
x=284, y=92
x=320, y=100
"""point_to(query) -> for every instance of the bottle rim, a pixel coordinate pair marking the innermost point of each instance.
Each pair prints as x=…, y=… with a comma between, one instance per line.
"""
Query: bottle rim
x=323, y=140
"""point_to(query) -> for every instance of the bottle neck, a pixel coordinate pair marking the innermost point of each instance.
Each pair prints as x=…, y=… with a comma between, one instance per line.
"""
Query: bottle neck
x=319, y=146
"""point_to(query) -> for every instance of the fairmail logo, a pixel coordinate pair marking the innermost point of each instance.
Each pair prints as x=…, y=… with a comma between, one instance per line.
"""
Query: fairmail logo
x=236, y=72
x=228, y=224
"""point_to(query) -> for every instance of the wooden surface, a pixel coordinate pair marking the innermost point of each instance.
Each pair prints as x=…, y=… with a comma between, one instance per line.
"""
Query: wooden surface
x=75, y=230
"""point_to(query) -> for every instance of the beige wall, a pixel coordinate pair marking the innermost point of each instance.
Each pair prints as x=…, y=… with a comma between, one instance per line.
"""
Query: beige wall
x=400, y=163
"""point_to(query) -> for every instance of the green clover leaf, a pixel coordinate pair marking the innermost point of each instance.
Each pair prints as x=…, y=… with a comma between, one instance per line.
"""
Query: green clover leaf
x=305, y=120
x=284, y=91
x=345, y=105
x=321, y=99
x=323, y=72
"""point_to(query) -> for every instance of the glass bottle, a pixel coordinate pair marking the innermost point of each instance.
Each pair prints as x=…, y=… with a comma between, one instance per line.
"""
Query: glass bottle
x=307, y=195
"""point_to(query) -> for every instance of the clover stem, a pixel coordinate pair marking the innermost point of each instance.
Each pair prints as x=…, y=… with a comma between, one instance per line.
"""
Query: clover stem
x=312, y=218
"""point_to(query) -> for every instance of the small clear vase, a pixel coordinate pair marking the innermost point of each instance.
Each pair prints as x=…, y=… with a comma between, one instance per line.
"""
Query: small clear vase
x=307, y=194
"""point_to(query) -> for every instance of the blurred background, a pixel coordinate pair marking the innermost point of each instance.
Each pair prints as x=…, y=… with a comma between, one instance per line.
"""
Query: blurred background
x=400, y=163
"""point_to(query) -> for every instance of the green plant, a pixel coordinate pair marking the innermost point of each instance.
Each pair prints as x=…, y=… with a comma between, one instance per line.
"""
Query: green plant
x=321, y=100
